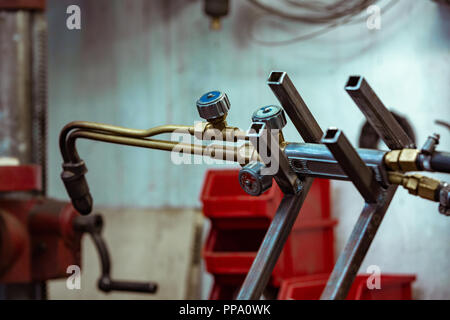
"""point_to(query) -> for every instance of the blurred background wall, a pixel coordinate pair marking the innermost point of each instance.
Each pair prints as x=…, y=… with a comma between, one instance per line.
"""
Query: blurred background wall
x=144, y=63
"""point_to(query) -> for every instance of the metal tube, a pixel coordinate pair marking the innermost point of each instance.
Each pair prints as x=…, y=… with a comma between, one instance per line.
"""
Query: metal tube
x=358, y=244
x=144, y=143
x=235, y=133
x=295, y=107
x=377, y=114
x=116, y=130
x=273, y=243
x=352, y=164
x=315, y=160
x=220, y=152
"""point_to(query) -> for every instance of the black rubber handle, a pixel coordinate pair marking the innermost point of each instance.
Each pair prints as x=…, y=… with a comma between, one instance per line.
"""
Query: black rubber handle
x=106, y=285
x=440, y=162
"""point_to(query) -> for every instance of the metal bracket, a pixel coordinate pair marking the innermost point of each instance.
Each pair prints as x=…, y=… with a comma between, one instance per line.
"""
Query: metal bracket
x=268, y=146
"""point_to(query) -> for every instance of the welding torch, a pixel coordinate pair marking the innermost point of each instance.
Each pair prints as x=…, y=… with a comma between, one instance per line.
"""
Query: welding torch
x=304, y=159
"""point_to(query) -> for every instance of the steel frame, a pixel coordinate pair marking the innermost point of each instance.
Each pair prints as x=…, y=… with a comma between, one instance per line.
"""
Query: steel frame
x=377, y=199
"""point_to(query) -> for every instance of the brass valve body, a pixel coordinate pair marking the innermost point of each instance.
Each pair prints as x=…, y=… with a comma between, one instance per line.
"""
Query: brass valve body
x=402, y=160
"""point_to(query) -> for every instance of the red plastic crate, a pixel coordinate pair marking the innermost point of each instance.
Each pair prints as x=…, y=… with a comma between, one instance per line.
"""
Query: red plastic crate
x=226, y=287
x=393, y=287
x=222, y=196
x=308, y=249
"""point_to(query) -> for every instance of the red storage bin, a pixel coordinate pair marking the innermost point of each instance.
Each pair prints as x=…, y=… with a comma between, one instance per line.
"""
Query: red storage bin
x=222, y=196
x=239, y=223
x=232, y=247
x=317, y=204
x=393, y=287
x=226, y=287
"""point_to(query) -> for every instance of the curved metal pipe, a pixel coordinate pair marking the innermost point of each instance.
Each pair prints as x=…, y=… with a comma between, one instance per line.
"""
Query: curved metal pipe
x=71, y=153
x=115, y=130
x=221, y=152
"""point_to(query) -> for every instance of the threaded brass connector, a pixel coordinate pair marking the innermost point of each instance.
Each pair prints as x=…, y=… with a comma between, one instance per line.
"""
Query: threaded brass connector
x=402, y=160
x=417, y=184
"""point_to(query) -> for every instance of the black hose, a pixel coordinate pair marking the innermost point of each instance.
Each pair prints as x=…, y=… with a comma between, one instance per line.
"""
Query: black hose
x=440, y=162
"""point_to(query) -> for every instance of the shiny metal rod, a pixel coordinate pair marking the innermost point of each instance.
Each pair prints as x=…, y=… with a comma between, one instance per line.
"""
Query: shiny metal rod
x=273, y=243
x=295, y=107
x=115, y=130
x=242, y=153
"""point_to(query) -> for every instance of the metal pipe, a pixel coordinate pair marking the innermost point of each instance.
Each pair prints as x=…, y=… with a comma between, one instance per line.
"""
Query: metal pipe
x=116, y=130
x=377, y=114
x=227, y=132
x=315, y=160
x=137, y=142
x=295, y=107
x=276, y=236
x=243, y=153
x=352, y=164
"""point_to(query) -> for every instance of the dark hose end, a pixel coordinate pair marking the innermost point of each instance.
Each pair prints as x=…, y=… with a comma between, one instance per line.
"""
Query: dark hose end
x=440, y=162
x=83, y=205
x=77, y=187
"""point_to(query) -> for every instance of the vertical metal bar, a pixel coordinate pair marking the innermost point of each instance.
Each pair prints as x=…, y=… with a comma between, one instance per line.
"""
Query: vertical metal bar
x=15, y=91
x=350, y=260
x=269, y=252
x=287, y=212
x=39, y=94
x=295, y=107
x=352, y=164
x=377, y=114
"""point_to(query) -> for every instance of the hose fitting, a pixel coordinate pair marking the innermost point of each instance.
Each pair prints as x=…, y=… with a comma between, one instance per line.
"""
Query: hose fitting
x=77, y=187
